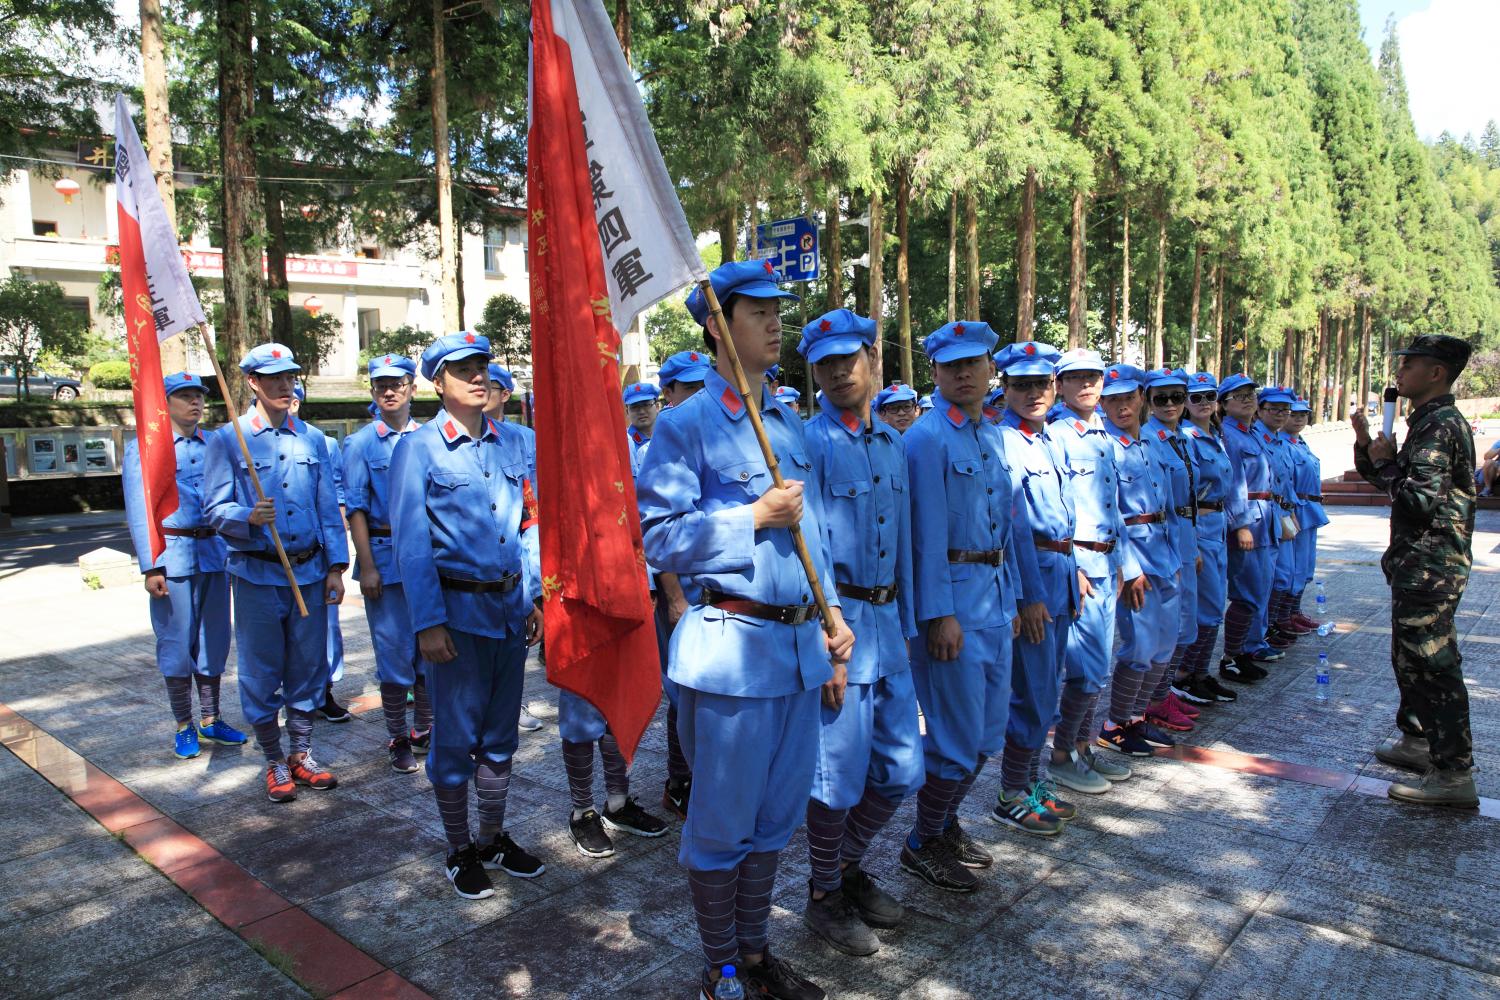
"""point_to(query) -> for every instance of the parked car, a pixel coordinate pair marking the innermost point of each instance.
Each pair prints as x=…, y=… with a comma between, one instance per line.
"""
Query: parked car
x=39, y=385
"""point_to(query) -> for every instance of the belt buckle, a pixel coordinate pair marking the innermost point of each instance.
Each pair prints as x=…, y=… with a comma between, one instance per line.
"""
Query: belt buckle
x=883, y=595
x=795, y=616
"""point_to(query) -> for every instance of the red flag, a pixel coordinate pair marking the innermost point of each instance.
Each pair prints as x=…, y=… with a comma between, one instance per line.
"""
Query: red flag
x=601, y=641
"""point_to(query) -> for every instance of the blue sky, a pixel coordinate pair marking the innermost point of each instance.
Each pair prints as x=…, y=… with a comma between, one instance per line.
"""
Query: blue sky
x=1448, y=53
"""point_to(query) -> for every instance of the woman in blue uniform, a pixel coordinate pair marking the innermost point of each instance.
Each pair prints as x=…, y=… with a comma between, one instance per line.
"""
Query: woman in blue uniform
x=1275, y=411
x=1252, y=558
x=1308, y=481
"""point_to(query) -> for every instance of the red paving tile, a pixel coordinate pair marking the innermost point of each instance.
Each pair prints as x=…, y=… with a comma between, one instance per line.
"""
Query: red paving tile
x=321, y=960
x=1247, y=764
x=386, y=986
x=229, y=892
x=167, y=845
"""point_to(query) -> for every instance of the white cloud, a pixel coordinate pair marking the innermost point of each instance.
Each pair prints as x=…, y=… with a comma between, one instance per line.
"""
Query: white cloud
x=1452, y=73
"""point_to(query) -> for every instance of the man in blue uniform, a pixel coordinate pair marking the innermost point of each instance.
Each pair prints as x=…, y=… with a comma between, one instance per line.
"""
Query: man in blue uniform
x=367, y=499
x=963, y=567
x=748, y=655
x=896, y=404
x=1103, y=557
x=681, y=375
x=465, y=531
x=869, y=751
x=1252, y=558
x=189, y=590
x=1051, y=586
x=789, y=396
x=641, y=408
x=282, y=655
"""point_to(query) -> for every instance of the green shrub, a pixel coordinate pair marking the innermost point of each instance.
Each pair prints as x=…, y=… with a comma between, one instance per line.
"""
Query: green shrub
x=110, y=375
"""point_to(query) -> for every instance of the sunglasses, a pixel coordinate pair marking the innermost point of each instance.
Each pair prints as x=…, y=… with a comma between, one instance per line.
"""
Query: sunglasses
x=1203, y=397
x=1169, y=399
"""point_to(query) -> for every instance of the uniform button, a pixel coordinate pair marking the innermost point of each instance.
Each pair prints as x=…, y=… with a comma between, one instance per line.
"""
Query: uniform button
x=880, y=520
x=283, y=485
x=486, y=475
x=991, y=491
x=984, y=455
x=502, y=539
x=492, y=506
x=877, y=479
x=882, y=553
x=851, y=492
x=805, y=598
x=744, y=475
x=283, y=458
x=992, y=525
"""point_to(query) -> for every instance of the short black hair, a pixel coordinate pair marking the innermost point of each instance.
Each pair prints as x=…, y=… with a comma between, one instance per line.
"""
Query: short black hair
x=727, y=307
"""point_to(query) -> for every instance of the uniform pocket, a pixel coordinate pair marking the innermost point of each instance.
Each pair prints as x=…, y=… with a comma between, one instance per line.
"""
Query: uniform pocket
x=752, y=477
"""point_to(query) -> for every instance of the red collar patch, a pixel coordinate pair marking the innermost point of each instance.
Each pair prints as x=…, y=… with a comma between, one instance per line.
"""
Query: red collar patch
x=1079, y=426
x=731, y=400
x=1125, y=440
x=1241, y=425
x=1161, y=435
x=849, y=420
x=450, y=431
x=955, y=416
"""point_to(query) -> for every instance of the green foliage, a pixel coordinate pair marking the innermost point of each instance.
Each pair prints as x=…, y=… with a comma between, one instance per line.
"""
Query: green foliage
x=36, y=318
x=670, y=329
x=110, y=375
x=313, y=337
x=507, y=324
x=405, y=341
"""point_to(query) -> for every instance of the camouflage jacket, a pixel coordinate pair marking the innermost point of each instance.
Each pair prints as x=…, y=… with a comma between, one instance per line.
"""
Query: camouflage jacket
x=1431, y=486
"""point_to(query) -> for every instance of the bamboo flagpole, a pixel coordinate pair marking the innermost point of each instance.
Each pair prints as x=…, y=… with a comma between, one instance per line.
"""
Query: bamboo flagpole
x=752, y=406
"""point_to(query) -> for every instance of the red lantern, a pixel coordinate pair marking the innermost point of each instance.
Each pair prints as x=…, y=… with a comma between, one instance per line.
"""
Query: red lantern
x=313, y=305
x=67, y=187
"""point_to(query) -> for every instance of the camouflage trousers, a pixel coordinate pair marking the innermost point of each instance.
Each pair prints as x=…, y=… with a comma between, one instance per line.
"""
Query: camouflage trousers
x=1429, y=674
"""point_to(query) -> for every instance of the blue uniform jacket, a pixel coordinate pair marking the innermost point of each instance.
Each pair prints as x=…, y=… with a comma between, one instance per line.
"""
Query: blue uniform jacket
x=1144, y=490
x=702, y=473
x=292, y=463
x=1279, y=454
x=183, y=556
x=866, y=498
x=459, y=509
x=1250, y=456
x=1308, y=479
x=1170, y=449
x=1095, y=487
x=961, y=499
x=1039, y=474
x=367, y=486
x=1217, y=481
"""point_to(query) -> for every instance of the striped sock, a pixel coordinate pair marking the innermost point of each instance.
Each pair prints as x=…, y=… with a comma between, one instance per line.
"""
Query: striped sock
x=268, y=738
x=1236, y=627
x=1122, y=693
x=299, y=727
x=180, y=698
x=677, y=765
x=713, y=907
x=932, y=807
x=492, y=784
x=421, y=706
x=393, y=707
x=616, y=771
x=208, y=696
x=1297, y=600
x=1072, y=707
x=752, y=901
x=1201, y=649
x=453, y=807
x=578, y=761
x=868, y=817
x=1152, y=678
x=1168, y=675
x=962, y=791
x=825, y=839
x=1015, y=767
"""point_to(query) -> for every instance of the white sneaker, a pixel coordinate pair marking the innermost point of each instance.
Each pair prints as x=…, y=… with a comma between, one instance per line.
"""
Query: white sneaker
x=1076, y=773
x=529, y=723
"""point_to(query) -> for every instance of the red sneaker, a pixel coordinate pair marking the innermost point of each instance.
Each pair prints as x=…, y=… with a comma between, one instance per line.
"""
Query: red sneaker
x=1311, y=624
x=1163, y=714
x=1292, y=627
x=306, y=771
x=279, y=785
x=1182, y=707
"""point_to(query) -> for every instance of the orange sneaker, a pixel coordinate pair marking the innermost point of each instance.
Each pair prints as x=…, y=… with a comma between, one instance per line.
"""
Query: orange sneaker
x=279, y=785
x=306, y=771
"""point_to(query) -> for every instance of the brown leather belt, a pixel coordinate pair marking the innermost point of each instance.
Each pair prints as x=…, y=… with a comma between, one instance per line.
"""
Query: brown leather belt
x=375, y=532
x=189, y=532
x=1105, y=547
x=1146, y=518
x=1262, y=496
x=1312, y=497
x=1063, y=545
x=874, y=595
x=1210, y=507
x=789, y=614
x=504, y=585
x=295, y=558
x=988, y=557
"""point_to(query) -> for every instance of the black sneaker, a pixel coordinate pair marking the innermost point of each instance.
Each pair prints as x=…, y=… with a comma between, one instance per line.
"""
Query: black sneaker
x=419, y=741
x=877, y=907
x=1127, y=740
x=1210, y=683
x=466, y=872
x=773, y=977
x=935, y=864
x=331, y=709
x=588, y=835
x=969, y=852
x=1155, y=736
x=674, y=798
x=401, y=756
x=504, y=854
x=1240, y=669
x=631, y=818
x=1188, y=690
x=836, y=920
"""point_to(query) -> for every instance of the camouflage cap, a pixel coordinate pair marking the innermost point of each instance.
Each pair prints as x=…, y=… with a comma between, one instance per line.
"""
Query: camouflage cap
x=1450, y=351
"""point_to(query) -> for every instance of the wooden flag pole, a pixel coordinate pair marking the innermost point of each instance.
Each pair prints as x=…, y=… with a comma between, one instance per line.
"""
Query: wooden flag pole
x=752, y=406
x=239, y=433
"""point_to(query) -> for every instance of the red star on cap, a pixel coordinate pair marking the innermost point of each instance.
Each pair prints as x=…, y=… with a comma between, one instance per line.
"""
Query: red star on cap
x=187, y=378
x=1113, y=373
x=275, y=354
x=1030, y=348
x=469, y=338
x=825, y=326
x=1202, y=378
x=388, y=359
x=693, y=356
x=958, y=330
x=768, y=267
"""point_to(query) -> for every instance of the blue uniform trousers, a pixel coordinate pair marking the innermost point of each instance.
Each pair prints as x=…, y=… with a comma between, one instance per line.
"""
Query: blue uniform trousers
x=336, y=647
x=1285, y=578
x=1250, y=577
x=1091, y=638
x=1213, y=578
x=1307, y=559
x=965, y=702
x=752, y=761
x=1036, y=684
x=663, y=644
x=282, y=656
x=874, y=742
x=578, y=721
x=476, y=704
x=392, y=636
x=1149, y=635
x=1187, y=601
x=192, y=625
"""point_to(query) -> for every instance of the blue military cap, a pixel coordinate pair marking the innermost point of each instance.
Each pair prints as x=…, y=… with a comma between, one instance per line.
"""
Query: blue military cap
x=392, y=366
x=269, y=359
x=758, y=279
x=1203, y=382
x=1122, y=378
x=640, y=392
x=965, y=339
x=840, y=331
x=182, y=380
x=374, y=410
x=503, y=376
x=1028, y=357
x=299, y=392
x=684, y=366
x=1236, y=381
x=896, y=392
x=774, y=373
x=788, y=395
x=925, y=403
x=1301, y=405
x=1166, y=376
x=1275, y=394
x=1079, y=359
x=996, y=397
x=452, y=347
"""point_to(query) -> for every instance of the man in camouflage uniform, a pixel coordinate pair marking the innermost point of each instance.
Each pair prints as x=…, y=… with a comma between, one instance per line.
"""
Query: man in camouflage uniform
x=1431, y=486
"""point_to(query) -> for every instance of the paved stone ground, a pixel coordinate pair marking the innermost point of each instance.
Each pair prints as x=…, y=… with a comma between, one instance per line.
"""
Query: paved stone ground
x=1190, y=880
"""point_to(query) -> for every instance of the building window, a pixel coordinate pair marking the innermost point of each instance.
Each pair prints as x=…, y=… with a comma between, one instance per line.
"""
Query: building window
x=369, y=253
x=494, y=244
x=369, y=325
x=41, y=227
x=518, y=234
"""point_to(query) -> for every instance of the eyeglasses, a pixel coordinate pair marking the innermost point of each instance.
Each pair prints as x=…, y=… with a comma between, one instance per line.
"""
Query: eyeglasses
x=1169, y=399
x=1203, y=397
x=900, y=407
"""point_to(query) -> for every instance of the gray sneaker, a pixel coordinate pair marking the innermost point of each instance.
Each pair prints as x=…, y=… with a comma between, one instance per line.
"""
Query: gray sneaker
x=1075, y=773
x=1410, y=753
x=1451, y=787
x=1108, y=768
x=935, y=864
x=529, y=723
x=835, y=919
x=877, y=907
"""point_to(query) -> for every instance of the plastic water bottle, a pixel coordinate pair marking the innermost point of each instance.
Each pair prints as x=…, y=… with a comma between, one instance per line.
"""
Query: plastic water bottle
x=728, y=987
x=1325, y=626
x=1325, y=682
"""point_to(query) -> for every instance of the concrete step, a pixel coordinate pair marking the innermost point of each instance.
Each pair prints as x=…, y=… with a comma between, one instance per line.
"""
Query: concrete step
x=336, y=386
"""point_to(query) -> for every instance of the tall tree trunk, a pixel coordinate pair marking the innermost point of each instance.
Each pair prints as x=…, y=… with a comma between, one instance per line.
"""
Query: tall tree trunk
x=835, y=255
x=1287, y=342
x=1193, y=315
x=728, y=234
x=1366, y=325
x=1159, y=333
x=1077, y=279
x=953, y=256
x=622, y=26
x=875, y=307
x=1125, y=276
x=242, y=214
x=159, y=144
x=447, y=236
x=1026, y=258
x=1216, y=277
x=1341, y=370
x=903, y=270
x=971, y=242
x=1112, y=296
x=278, y=289
x=1320, y=370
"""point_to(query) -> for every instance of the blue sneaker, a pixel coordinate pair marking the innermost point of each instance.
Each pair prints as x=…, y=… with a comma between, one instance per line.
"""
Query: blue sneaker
x=1267, y=654
x=222, y=733
x=185, y=743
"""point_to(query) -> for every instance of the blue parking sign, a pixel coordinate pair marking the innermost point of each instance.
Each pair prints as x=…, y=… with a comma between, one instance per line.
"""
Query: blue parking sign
x=791, y=245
